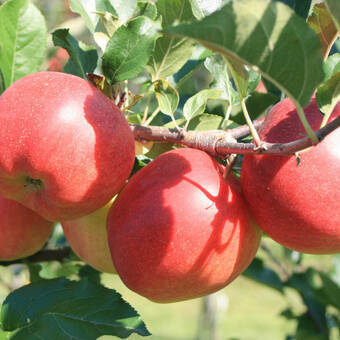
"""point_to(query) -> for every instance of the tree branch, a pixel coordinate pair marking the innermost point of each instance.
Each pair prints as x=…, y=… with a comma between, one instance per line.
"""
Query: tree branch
x=221, y=143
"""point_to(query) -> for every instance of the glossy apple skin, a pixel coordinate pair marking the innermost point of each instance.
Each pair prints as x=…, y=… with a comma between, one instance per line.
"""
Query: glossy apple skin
x=59, y=129
x=87, y=236
x=178, y=230
x=22, y=231
x=298, y=205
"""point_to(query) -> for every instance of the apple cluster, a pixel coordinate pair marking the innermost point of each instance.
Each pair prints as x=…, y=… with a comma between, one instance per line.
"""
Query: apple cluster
x=177, y=229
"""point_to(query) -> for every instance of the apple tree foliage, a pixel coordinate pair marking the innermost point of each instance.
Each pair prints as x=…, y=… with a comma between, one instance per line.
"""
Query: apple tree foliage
x=149, y=56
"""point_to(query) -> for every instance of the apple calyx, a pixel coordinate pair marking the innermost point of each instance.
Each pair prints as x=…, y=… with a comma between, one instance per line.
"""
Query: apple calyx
x=33, y=183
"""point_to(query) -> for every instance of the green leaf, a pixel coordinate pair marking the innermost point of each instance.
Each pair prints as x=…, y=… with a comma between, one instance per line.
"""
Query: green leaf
x=167, y=97
x=202, y=8
x=23, y=36
x=334, y=9
x=195, y=105
x=205, y=122
x=83, y=59
x=323, y=25
x=148, y=9
x=332, y=65
x=129, y=49
x=87, y=9
x=330, y=291
x=125, y=9
x=328, y=95
x=171, y=53
x=259, y=272
x=274, y=40
x=62, y=309
x=302, y=7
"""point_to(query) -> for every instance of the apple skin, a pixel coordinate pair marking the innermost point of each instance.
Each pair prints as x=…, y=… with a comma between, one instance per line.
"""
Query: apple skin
x=87, y=236
x=65, y=148
x=22, y=231
x=178, y=230
x=296, y=205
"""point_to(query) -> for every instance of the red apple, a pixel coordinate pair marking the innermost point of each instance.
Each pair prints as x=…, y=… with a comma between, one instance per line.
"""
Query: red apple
x=297, y=204
x=87, y=236
x=65, y=148
x=178, y=230
x=22, y=231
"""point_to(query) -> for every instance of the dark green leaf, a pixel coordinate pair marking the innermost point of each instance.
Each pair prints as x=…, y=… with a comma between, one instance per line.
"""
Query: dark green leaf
x=308, y=329
x=88, y=9
x=302, y=8
x=62, y=309
x=258, y=272
x=129, y=49
x=23, y=36
x=274, y=40
x=334, y=9
x=330, y=291
x=171, y=53
x=83, y=59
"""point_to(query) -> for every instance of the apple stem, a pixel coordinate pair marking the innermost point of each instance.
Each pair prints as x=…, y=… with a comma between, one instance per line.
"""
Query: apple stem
x=252, y=129
x=230, y=163
x=310, y=132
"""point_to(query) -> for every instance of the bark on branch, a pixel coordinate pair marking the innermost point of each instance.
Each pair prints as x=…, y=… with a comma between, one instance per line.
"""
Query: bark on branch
x=221, y=143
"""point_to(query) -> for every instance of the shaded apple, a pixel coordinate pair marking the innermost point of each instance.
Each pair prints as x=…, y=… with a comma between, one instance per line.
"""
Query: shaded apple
x=87, y=237
x=178, y=230
x=65, y=148
x=22, y=231
x=296, y=201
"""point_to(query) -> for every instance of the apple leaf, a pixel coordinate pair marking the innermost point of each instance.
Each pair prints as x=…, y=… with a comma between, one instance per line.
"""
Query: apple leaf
x=23, y=36
x=129, y=49
x=332, y=65
x=125, y=9
x=171, y=53
x=265, y=35
x=328, y=95
x=202, y=8
x=60, y=308
x=323, y=25
x=88, y=8
x=148, y=9
x=334, y=10
x=258, y=272
x=205, y=121
x=167, y=97
x=83, y=59
x=195, y=105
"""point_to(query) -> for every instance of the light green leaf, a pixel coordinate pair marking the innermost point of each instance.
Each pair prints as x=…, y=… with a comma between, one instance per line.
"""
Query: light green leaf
x=125, y=9
x=129, y=49
x=23, y=36
x=328, y=95
x=334, y=9
x=196, y=104
x=266, y=35
x=323, y=25
x=148, y=9
x=167, y=97
x=88, y=10
x=205, y=122
x=83, y=59
x=171, y=53
x=62, y=309
x=332, y=65
x=202, y=8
